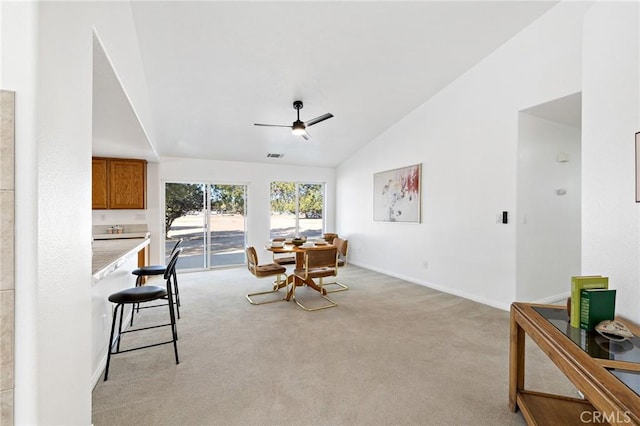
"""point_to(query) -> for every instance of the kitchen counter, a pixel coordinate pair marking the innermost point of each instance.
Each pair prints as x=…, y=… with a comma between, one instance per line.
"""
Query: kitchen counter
x=109, y=255
x=113, y=262
x=125, y=235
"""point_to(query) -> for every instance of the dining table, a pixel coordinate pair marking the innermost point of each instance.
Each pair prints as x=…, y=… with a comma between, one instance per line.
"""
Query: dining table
x=299, y=251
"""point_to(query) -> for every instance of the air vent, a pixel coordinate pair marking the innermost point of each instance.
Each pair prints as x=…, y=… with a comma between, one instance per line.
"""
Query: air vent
x=273, y=155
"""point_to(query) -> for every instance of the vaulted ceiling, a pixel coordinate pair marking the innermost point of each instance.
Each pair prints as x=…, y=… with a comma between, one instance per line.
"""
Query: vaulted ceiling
x=213, y=69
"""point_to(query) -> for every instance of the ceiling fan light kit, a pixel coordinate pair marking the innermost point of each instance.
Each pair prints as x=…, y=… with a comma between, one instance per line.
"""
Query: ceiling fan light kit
x=299, y=128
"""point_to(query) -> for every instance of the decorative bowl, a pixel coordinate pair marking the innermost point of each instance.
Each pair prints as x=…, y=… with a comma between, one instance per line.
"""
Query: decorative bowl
x=298, y=241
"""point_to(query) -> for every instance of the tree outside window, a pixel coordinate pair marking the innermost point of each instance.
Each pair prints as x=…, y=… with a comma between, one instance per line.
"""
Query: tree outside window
x=296, y=209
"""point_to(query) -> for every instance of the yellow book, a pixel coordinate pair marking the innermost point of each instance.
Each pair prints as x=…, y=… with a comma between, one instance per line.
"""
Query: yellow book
x=577, y=285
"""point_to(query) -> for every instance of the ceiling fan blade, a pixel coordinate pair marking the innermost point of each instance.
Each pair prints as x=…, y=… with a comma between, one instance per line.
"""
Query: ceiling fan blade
x=318, y=119
x=271, y=125
x=306, y=136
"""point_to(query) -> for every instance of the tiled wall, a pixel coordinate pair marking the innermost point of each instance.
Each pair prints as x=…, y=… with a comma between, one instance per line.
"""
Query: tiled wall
x=7, y=100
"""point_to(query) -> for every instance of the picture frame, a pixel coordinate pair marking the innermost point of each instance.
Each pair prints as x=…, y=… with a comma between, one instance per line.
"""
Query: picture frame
x=397, y=194
x=637, y=167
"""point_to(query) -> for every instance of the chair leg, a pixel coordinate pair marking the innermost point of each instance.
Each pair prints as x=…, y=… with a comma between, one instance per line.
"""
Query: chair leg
x=174, y=326
x=308, y=309
x=119, y=338
x=342, y=287
x=172, y=304
x=175, y=283
x=134, y=308
x=110, y=344
x=279, y=283
x=276, y=289
x=174, y=292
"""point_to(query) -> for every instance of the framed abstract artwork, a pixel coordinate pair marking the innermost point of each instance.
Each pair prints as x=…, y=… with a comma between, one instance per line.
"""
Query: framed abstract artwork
x=396, y=195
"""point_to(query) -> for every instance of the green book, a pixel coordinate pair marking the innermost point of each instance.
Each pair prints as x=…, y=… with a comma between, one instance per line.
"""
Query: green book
x=579, y=283
x=596, y=305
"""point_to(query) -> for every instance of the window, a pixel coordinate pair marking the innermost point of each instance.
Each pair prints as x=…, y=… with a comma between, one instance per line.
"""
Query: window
x=297, y=209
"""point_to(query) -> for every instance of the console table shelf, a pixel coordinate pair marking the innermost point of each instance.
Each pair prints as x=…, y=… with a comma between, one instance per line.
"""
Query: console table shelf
x=608, y=400
x=545, y=409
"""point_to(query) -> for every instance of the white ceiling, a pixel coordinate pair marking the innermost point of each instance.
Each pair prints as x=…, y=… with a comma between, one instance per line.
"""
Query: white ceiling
x=215, y=68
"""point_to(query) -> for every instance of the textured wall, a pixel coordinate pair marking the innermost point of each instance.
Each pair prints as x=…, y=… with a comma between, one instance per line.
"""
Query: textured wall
x=610, y=119
x=6, y=256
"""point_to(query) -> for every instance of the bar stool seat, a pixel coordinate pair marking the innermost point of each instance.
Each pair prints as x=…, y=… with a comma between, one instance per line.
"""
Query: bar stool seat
x=146, y=293
x=149, y=270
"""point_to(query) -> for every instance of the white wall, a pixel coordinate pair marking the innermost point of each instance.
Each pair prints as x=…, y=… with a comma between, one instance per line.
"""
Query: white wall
x=466, y=138
x=47, y=59
x=257, y=177
x=547, y=224
x=611, y=116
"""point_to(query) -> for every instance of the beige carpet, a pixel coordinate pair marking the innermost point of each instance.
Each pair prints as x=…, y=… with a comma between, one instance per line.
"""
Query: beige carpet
x=391, y=353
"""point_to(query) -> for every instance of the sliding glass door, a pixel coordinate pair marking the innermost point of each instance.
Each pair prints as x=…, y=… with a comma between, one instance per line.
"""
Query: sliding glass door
x=184, y=218
x=211, y=220
x=227, y=224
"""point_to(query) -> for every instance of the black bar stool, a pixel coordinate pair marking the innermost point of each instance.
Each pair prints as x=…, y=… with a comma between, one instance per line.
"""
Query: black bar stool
x=133, y=296
x=152, y=270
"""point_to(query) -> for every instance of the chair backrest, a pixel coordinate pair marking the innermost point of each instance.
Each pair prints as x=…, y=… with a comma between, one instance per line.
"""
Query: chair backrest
x=175, y=247
x=321, y=257
x=252, y=259
x=342, y=246
x=329, y=237
x=171, y=266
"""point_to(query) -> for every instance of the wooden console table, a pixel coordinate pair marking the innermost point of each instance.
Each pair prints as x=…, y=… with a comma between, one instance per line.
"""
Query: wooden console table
x=606, y=378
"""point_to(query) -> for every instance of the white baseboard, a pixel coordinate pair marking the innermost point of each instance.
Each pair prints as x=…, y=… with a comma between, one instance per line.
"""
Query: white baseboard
x=558, y=299
x=99, y=372
x=447, y=290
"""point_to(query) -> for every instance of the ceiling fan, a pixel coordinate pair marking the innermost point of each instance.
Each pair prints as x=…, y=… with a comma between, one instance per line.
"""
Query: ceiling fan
x=298, y=127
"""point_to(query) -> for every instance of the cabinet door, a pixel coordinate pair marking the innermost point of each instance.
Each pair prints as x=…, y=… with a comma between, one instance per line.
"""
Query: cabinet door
x=127, y=184
x=143, y=260
x=99, y=184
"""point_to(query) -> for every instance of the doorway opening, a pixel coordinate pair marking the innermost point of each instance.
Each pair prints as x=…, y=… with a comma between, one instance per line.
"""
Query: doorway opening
x=548, y=226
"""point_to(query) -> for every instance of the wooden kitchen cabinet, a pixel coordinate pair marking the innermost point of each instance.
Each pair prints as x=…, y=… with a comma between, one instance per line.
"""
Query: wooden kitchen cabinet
x=119, y=183
x=143, y=260
x=99, y=184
